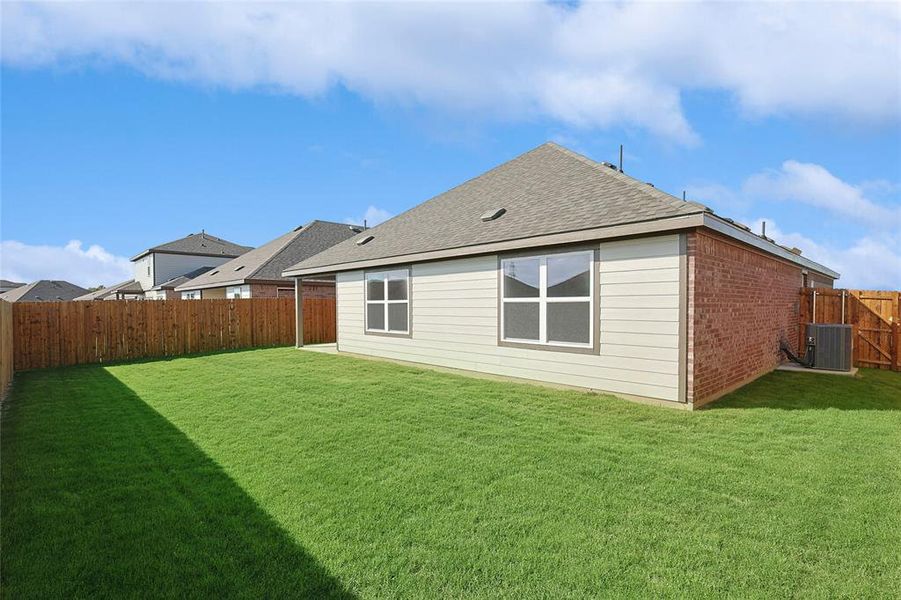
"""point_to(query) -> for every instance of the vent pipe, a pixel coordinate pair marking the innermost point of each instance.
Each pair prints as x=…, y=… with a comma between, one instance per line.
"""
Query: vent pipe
x=620, y=158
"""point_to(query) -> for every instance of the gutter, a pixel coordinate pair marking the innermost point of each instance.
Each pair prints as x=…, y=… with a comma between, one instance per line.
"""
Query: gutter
x=667, y=225
x=720, y=225
x=555, y=239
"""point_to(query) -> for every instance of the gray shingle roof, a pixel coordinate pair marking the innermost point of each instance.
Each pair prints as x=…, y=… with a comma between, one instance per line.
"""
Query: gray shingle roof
x=129, y=287
x=201, y=243
x=44, y=290
x=267, y=262
x=545, y=191
x=177, y=281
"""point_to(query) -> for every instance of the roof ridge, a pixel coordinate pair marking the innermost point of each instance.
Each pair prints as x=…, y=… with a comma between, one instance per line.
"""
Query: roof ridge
x=481, y=175
x=627, y=179
x=291, y=238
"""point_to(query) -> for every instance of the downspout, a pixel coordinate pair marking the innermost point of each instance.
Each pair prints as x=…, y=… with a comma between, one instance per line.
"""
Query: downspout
x=813, y=313
x=298, y=312
x=843, y=307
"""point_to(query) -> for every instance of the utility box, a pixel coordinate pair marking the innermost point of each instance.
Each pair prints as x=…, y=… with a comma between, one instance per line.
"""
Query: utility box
x=830, y=345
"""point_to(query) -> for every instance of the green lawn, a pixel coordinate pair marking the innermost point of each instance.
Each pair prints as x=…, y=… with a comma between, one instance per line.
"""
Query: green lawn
x=276, y=473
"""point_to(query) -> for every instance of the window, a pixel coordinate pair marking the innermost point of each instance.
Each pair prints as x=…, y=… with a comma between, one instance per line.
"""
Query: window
x=238, y=291
x=548, y=300
x=192, y=295
x=388, y=301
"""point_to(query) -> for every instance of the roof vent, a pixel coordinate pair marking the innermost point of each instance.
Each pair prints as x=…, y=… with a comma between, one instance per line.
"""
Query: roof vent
x=239, y=268
x=493, y=214
x=365, y=240
x=610, y=165
x=649, y=183
x=214, y=272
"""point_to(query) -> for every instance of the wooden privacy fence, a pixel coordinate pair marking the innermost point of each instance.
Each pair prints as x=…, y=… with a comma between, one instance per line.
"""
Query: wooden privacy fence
x=51, y=334
x=874, y=317
x=6, y=346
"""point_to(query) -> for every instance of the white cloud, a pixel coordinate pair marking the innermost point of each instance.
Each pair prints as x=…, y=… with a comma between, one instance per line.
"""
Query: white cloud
x=72, y=262
x=872, y=262
x=589, y=66
x=725, y=199
x=372, y=217
x=812, y=184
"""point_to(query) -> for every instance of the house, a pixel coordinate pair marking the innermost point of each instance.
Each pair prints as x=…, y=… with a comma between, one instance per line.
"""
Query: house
x=7, y=285
x=155, y=267
x=258, y=273
x=168, y=288
x=45, y=290
x=557, y=268
x=127, y=290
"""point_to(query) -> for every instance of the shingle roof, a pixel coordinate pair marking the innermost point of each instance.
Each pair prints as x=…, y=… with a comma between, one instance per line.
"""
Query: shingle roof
x=267, y=262
x=545, y=191
x=177, y=281
x=202, y=244
x=126, y=287
x=6, y=283
x=44, y=290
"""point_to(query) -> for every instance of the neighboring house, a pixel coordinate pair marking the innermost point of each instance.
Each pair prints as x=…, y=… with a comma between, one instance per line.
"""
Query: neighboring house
x=258, y=273
x=7, y=285
x=167, y=289
x=157, y=266
x=45, y=290
x=557, y=268
x=127, y=290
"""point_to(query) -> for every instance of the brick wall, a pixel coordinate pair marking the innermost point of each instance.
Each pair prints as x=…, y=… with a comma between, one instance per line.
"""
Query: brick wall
x=741, y=302
x=819, y=281
x=264, y=290
x=311, y=289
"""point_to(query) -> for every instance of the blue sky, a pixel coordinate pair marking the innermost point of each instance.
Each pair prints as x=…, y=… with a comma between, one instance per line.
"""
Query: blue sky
x=122, y=139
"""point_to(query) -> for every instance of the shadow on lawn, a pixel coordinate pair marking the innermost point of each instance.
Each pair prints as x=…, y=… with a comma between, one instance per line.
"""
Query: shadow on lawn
x=101, y=496
x=871, y=389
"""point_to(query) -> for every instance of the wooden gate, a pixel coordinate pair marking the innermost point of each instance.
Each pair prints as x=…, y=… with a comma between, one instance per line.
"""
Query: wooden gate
x=874, y=317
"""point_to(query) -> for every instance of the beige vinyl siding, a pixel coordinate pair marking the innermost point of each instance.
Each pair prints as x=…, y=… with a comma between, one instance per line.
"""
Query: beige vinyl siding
x=455, y=322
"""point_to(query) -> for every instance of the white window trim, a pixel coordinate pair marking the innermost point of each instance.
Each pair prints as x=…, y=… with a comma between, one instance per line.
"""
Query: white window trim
x=543, y=300
x=386, y=302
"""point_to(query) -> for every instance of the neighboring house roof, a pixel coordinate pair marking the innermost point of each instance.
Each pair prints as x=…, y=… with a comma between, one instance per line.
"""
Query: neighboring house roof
x=126, y=287
x=549, y=195
x=266, y=263
x=181, y=279
x=44, y=290
x=6, y=284
x=200, y=244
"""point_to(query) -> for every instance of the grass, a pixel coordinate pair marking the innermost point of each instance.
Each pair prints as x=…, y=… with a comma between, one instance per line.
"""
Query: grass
x=275, y=473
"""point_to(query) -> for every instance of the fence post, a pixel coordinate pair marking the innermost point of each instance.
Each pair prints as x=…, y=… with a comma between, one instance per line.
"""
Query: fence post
x=896, y=346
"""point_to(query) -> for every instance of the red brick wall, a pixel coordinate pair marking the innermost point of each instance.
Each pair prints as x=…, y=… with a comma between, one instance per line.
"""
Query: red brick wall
x=263, y=290
x=819, y=281
x=741, y=303
x=312, y=289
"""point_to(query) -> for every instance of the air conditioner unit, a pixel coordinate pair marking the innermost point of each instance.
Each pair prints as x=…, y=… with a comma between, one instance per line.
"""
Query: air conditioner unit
x=829, y=346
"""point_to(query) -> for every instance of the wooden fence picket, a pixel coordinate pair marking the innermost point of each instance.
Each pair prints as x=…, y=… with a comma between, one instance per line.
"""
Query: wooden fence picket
x=47, y=334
